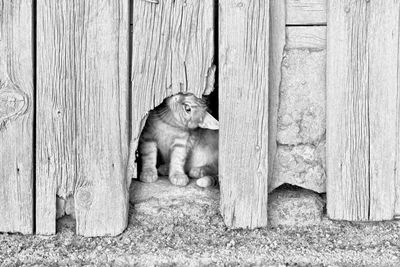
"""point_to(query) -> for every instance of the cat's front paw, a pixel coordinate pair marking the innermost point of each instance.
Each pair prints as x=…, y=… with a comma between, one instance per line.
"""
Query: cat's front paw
x=206, y=181
x=179, y=179
x=196, y=172
x=149, y=175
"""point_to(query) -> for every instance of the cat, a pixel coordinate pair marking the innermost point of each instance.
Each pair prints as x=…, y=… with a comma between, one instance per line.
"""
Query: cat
x=184, y=136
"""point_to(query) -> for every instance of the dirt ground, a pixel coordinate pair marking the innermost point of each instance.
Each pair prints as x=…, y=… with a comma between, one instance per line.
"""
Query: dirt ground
x=170, y=236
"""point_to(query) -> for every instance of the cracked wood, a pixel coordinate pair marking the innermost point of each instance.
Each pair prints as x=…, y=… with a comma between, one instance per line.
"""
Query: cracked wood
x=16, y=117
x=243, y=105
x=82, y=116
x=172, y=51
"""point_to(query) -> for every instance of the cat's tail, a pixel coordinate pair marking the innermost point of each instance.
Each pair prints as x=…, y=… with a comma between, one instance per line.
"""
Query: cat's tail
x=207, y=181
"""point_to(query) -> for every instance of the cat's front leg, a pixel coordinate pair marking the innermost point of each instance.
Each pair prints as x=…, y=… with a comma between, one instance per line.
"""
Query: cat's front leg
x=177, y=174
x=148, y=152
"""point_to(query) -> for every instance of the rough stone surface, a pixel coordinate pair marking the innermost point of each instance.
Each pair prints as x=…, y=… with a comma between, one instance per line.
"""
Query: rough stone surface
x=167, y=201
x=301, y=117
x=300, y=158
x=302, y=165
x=294, y=207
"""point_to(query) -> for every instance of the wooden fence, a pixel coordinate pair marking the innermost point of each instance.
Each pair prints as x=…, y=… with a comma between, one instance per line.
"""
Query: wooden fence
x=363, y=127
x=71, y=98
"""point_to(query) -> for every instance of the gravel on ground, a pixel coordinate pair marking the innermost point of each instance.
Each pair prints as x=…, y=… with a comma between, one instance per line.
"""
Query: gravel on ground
x=172, y=237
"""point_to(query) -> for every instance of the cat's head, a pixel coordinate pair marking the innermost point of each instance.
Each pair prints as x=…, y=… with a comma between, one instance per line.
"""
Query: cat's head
x=191, y=111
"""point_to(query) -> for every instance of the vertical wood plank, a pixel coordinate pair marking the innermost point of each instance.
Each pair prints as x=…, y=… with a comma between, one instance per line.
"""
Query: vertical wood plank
x=243, y=105
x=82, y=84
x=397, y=181
x=56, y=110
x=384, y=109
x=16, y=117
x=276, y=45
x=397, y=178
x=347, y=111
x=363, y=109
x=172, y=51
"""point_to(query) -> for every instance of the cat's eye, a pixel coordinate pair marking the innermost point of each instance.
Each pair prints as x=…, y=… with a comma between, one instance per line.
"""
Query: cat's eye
x=187, y=108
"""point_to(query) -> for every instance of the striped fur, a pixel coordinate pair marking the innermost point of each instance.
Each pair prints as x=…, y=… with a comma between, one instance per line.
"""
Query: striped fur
x=172, y=135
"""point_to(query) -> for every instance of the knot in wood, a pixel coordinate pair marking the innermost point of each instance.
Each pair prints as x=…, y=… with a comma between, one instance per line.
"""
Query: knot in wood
x=240, y=4
x=13, y=102
x=84, y=198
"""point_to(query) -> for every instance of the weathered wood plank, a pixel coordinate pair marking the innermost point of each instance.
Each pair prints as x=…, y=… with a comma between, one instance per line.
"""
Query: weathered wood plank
x=306, y=12
x=55, y=147
x=347, y=111
x=276, y=46
x=243, y=98
x=347, y=118
x=397, y=181
x=16, y=116
x=82, y=90
x=384, y=109
x=299, y=37
x=172, y=51
x=362, y=109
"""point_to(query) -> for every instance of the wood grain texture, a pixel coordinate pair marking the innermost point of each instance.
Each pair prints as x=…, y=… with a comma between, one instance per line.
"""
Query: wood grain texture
x=276, y=46
x=347, y=112
x=306, y=12
x=172, y=51
x=384, y=109
x=82, y=133
x=16, y=116
x=299, y=37
x=397, y=181
x=243, y=105
x=363, y=109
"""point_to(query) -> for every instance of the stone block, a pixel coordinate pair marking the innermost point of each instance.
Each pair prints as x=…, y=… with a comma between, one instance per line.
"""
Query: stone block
x=294, y=207
x=168, y=202
x=302, y=165
x=300, y=157
x=301, y=115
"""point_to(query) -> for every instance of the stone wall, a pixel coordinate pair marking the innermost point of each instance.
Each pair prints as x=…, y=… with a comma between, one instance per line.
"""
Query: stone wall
x=300, y=156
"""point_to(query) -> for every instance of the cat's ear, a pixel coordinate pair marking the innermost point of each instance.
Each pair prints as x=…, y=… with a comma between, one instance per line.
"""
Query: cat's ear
x=209, y=122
